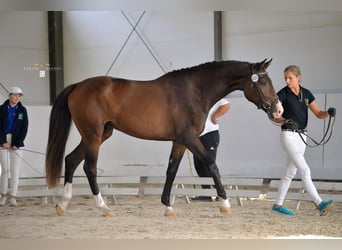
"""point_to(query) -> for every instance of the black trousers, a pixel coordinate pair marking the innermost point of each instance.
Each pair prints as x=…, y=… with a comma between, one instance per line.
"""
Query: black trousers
x=211, y=142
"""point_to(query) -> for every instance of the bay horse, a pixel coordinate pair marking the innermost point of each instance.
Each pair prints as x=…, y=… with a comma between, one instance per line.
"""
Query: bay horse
x=172, y=107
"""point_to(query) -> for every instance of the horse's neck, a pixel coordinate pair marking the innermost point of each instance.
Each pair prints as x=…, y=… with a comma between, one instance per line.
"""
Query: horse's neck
x=215, y=88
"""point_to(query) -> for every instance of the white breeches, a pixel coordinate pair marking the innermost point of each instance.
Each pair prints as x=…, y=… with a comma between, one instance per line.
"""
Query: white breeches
x=295, y=148
x=10, y=165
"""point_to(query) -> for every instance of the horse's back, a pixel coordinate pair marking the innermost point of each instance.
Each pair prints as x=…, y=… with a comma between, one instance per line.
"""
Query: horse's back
x=138, y=108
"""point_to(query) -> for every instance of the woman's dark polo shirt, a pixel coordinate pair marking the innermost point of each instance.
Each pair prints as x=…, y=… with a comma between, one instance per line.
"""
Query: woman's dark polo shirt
x=296, y=107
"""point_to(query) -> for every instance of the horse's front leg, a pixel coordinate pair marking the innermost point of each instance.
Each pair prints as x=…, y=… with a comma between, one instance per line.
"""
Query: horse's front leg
x=176, y=155
x=198, y=149
x=225, y=206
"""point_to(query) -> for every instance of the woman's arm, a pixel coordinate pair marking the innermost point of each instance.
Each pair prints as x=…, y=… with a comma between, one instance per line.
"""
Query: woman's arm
x=317, y=111
x=220, y=112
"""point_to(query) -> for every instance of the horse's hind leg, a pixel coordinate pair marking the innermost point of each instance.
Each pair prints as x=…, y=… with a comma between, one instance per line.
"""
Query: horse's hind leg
x=91, y=155
x=72, y=161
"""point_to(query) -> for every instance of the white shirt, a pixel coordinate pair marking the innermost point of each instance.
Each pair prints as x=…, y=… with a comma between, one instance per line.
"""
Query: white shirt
x=209, y=125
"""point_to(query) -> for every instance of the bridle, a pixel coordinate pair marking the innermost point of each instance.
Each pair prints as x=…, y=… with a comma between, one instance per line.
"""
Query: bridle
x=266, y=106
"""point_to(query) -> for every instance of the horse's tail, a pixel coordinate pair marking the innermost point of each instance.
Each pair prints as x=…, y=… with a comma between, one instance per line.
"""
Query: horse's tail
x=59, y=128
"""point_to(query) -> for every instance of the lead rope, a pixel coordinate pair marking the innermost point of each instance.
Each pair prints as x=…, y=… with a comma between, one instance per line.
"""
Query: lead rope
x=325, y=139
x=27, y=163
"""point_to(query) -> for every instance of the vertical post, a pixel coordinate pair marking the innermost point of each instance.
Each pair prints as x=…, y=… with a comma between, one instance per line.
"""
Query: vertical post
x=55, y=34
x=218, y=35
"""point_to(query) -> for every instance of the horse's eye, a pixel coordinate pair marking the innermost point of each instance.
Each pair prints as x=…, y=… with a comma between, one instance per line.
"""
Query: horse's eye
x=263, y=81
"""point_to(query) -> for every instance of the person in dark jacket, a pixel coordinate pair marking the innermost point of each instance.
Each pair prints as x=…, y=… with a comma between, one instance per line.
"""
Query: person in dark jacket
x=13, y=130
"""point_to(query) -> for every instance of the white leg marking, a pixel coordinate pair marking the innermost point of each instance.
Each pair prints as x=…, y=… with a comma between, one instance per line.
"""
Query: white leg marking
x=169, y=212
x=225, y=203
x=67, y=194
x=99, y=202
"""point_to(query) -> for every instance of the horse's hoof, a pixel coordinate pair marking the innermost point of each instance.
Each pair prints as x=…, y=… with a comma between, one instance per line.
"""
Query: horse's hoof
x=226, y=210
x=170, y=213
x=59, y=210
x=108, y=213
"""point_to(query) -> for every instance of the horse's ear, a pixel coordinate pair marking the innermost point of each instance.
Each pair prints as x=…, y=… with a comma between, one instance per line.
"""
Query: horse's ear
x=266, y=63
x=262, y=66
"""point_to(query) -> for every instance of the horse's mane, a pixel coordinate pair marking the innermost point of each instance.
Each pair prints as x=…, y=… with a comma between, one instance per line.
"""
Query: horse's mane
x=203, y=67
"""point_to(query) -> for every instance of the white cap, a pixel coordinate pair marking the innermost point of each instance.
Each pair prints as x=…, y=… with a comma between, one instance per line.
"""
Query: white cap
x=15, y=90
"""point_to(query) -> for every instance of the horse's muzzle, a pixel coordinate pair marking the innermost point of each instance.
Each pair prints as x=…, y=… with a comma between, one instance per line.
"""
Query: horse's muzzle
x=274, y=110
x=277, y=110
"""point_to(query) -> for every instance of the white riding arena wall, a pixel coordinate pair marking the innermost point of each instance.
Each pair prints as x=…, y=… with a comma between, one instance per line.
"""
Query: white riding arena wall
x=250, y=144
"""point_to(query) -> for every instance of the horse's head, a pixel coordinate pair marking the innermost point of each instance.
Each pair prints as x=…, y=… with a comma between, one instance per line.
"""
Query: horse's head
x=259, y=90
